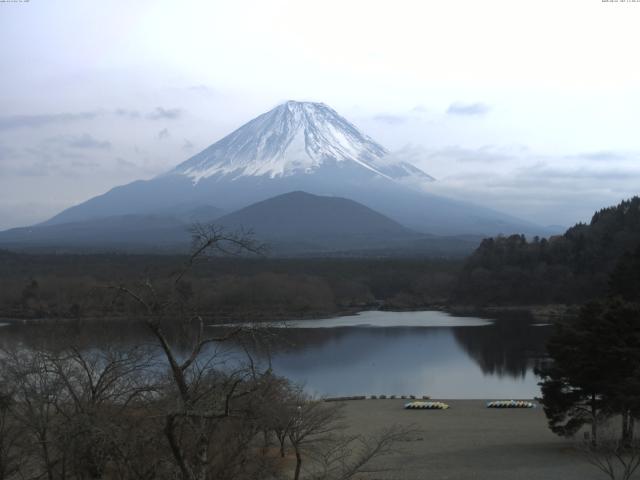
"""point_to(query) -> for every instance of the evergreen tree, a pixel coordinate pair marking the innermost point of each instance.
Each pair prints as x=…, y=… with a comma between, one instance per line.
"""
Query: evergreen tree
x=595, y=369
x=625, y=279
x=570, y=268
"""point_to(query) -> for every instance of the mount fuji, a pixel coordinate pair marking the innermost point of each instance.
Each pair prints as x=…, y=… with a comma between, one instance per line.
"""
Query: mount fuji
x=295, y=138
x=297, y=146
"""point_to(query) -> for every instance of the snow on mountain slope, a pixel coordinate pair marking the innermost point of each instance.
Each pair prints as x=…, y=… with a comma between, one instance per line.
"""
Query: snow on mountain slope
x=299, y=146
x=294, y=138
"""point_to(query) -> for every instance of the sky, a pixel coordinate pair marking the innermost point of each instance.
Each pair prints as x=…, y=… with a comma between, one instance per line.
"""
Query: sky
x=528, y=107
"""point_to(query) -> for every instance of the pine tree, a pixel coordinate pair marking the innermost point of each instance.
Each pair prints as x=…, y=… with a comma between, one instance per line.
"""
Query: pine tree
x=595, y=369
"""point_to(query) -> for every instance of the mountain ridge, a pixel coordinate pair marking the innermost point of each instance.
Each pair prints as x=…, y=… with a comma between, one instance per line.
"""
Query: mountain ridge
x=292, y=224
x=301, y=146
x=303, y=214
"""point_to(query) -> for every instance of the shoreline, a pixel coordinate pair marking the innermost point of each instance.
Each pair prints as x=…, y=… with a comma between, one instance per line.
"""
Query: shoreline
x=549, y=312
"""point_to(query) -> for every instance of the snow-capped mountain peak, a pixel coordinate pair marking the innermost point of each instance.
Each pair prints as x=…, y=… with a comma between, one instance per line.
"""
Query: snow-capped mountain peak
x=295, y=138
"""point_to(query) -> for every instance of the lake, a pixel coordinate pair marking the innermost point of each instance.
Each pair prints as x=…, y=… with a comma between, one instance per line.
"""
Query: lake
x=373, y=353
x=421, y=353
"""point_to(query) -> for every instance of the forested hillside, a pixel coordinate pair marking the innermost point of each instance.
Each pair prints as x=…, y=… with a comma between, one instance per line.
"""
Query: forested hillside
x=67, y=285
x=569, y=268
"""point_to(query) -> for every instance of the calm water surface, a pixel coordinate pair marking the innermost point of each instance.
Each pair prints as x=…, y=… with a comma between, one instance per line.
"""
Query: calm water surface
x=401, y=353
x=373, y=353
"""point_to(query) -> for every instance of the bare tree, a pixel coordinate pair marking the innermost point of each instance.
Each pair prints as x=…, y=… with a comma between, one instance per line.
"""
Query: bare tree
x=171, y=409
x=346, y=456
x=316, y=430
x=313, y=422
x=99, y=386
x=71, y=405
x=617, y=458
x=201, y=395
x=280, y=411
x=36, y=393
x=11, y=453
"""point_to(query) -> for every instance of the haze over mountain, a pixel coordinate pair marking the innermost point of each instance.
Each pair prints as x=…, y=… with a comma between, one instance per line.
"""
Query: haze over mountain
x=295, y=223
x=138, y=232
x=300, y=146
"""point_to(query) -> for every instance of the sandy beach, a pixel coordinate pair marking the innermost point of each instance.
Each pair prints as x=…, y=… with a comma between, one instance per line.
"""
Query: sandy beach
x=470, y=441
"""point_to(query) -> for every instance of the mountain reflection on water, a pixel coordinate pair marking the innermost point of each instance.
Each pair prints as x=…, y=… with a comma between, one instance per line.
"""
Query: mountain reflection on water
x=483, y=361
x=460, y=357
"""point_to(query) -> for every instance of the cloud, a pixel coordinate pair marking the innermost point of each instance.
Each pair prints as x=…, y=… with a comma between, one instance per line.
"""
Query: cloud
x=540, y=188
x=459, y=108
x=163, y=134
x=486, y=154
x=87, y=164
x=390, y=119
x=10, y=122
x=161, y=113
x=602, y=156
x=122, y=163
x=543, y=171
x=84, y=141
x=202, y=90
x=36, y=121
x=62, y=156
x=123, y=112
x=414, y=154
x=29, y=162
x=87, y=141
x=5, y=152
x=187, y=145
